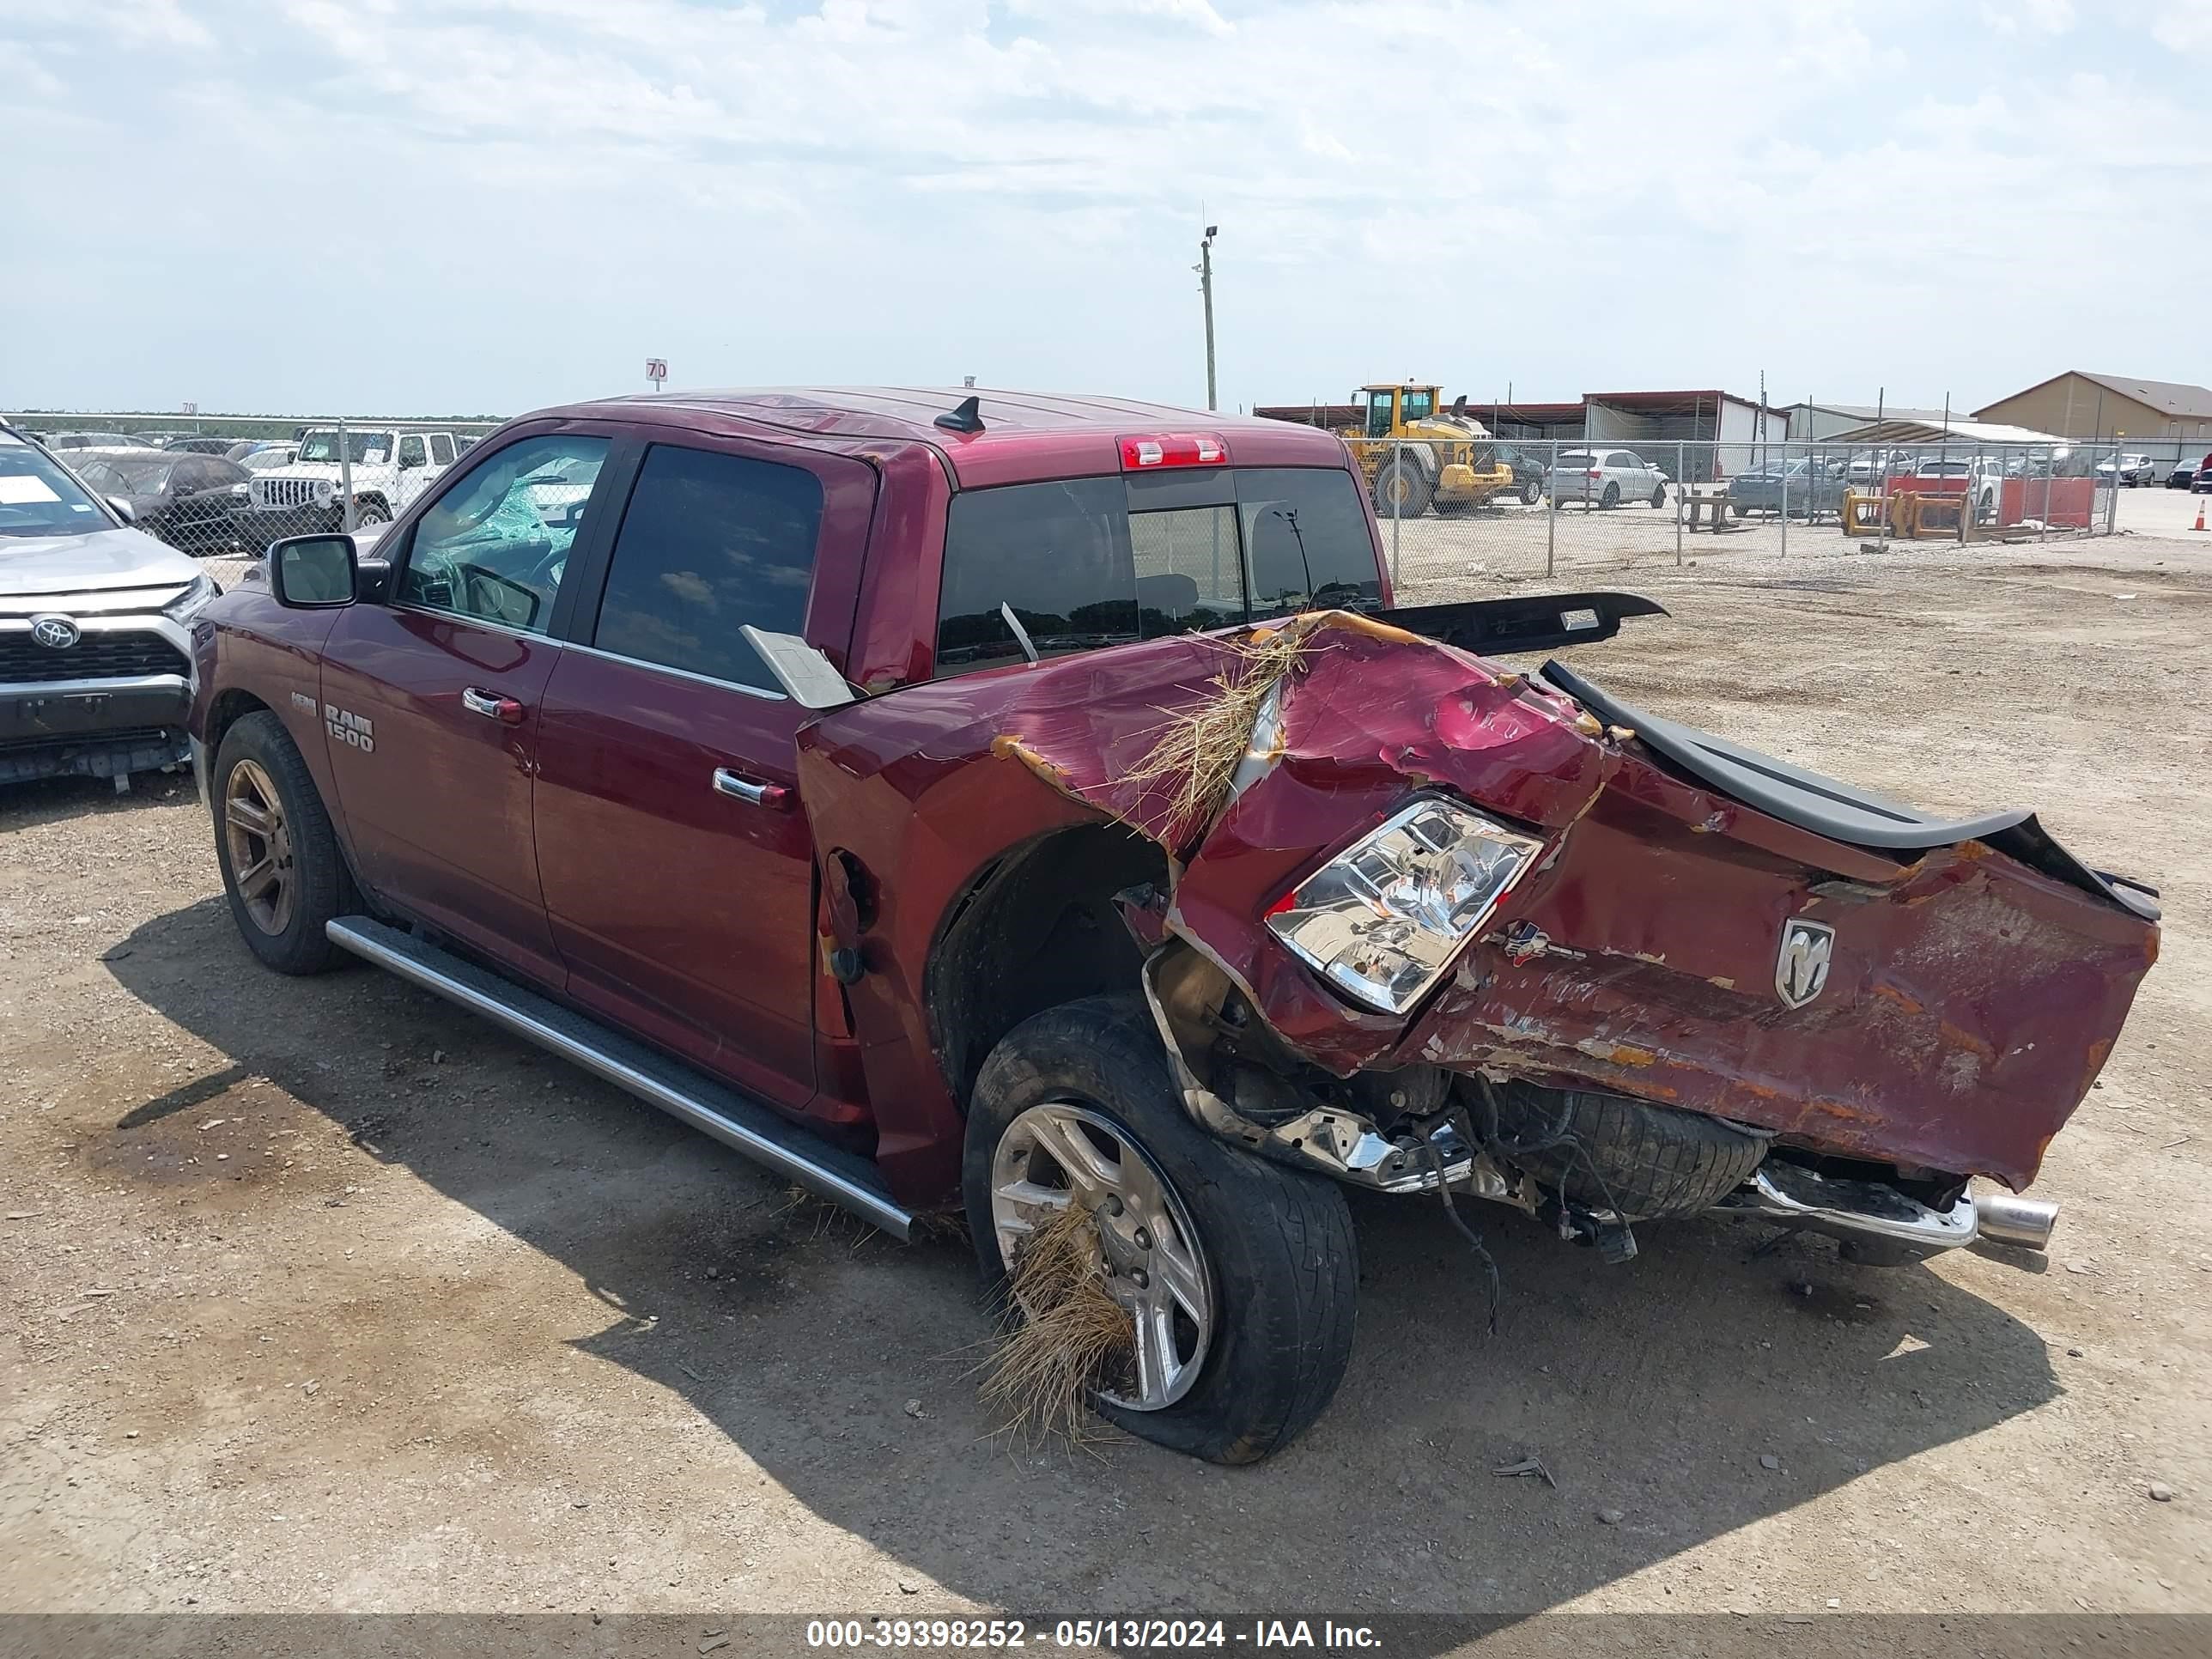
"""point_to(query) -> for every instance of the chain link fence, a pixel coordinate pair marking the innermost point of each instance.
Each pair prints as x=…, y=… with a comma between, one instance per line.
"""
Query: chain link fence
x=222, y=489
x=1452, y=510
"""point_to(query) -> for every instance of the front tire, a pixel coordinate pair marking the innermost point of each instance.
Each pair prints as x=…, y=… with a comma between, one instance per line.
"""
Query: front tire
x=282, y=870
x=1531, y=493
x=1402, y=482
x=370, y=512
x=1658, y=495
x=1077, y=1105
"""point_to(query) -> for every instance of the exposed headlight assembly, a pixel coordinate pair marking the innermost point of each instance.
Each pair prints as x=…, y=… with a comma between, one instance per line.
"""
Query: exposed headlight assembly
x=194, y=599
x=1384, y=919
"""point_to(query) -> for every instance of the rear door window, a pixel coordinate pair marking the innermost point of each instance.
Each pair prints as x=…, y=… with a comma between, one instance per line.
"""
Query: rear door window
x=1084, y=562
x=441, y=449
x=710, y=542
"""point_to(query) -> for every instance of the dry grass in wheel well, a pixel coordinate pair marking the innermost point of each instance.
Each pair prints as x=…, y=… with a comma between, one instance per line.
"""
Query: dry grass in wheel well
x=1064, y=1338
x=1196, y=753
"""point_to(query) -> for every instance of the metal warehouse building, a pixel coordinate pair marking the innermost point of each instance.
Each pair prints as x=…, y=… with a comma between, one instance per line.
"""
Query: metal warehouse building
x=2166, y=420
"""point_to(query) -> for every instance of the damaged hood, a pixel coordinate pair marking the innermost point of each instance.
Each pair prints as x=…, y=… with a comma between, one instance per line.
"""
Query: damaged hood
x=1963, y=993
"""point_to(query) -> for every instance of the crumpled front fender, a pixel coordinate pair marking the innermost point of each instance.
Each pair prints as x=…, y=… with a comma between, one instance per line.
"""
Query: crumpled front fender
x=1970, y=1001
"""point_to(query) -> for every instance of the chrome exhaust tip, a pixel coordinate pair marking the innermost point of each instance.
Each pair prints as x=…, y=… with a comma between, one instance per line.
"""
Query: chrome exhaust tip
x=2023, y=1223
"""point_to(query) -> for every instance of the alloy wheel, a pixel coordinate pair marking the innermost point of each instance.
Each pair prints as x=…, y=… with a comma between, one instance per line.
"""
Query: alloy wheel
x=260, y=846
x=1149, y=1258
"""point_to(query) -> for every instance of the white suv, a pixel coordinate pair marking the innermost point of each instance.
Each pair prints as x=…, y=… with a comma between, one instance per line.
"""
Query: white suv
x=1606, y=477
x=390, y=466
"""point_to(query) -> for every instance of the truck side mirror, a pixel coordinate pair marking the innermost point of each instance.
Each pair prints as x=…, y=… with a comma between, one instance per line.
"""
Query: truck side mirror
x=313, y=573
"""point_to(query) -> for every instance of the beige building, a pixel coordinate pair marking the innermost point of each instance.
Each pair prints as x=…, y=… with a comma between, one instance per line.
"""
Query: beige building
x=2154, y=417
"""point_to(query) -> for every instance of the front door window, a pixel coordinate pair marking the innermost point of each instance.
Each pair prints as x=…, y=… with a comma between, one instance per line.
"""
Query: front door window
x=495, y=546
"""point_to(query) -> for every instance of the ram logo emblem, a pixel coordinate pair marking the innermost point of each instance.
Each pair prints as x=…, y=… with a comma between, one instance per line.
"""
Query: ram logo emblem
x=1801, y=969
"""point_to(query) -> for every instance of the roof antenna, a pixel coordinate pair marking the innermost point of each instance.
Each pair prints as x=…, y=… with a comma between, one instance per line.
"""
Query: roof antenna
x=965, y=418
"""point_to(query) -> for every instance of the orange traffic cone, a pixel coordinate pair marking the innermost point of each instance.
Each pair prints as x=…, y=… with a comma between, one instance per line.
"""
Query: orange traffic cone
x=2199, y=525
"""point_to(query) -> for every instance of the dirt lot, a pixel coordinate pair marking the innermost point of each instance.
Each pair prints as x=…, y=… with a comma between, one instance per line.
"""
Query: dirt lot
x=319, y=1294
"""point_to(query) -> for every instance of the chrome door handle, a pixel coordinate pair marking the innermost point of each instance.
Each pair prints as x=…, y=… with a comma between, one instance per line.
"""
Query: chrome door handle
x=492, y=706
x=773, y=795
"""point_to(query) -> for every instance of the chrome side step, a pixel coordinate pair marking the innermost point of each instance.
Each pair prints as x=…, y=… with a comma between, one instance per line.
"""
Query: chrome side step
x=744, y=1126
x=1789, y=1195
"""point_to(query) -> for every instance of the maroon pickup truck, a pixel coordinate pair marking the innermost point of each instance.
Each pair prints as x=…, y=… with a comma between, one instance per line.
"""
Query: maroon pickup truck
x=1011, y=803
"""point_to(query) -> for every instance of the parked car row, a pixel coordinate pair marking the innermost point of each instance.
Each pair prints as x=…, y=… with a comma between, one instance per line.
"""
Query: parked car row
x=209, y=495
x=2195, y=477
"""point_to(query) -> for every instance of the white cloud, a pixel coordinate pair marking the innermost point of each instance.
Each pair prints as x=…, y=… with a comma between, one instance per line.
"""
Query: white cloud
x=514, y=199
x=2183, y=25
x=2031, y=16
x=127, y=23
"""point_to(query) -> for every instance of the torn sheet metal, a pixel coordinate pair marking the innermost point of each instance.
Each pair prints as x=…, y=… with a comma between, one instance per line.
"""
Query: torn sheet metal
x=1960, y=1014
x=1968, y=1000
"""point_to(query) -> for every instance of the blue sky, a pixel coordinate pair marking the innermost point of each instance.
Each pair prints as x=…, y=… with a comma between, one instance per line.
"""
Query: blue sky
x=486, y=205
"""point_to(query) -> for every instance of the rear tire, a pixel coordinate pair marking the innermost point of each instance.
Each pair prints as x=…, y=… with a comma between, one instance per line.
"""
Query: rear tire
x=1275, y=1244
x=1611, y=497
x=271, y=828
x=1531, y=493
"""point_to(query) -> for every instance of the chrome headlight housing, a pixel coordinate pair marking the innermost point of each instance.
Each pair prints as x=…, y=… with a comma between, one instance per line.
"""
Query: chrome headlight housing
x=194, y=599
x=1385, y=919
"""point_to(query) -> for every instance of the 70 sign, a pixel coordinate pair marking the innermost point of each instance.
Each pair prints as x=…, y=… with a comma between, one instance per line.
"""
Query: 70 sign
x=656, y=370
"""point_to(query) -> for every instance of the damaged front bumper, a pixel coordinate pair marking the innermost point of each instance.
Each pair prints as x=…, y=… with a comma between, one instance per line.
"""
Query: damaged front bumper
x=1181, y=988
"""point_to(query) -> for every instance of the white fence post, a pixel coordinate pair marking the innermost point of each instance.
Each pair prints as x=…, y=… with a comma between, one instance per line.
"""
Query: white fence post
x=1681, y=488
x=1551, y=509
x=1394, y=470
x=345, y=480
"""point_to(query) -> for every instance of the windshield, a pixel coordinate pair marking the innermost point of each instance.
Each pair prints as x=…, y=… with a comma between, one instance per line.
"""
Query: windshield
x=126, y=474
x=37, y=498
x=362, y=448
x=1084, y=562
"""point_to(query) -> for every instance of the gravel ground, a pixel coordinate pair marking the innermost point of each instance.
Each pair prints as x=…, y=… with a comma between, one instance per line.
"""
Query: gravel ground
x=319, y=1294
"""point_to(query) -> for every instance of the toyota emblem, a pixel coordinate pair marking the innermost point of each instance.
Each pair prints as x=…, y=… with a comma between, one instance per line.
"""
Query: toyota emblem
x=55, y=633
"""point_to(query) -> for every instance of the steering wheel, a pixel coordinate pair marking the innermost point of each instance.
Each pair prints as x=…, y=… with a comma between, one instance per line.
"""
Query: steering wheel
x=545, y=574
x=507, y=593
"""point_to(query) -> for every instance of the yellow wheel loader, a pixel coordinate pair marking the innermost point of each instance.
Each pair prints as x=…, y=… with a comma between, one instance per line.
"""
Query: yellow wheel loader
x=1445, y=458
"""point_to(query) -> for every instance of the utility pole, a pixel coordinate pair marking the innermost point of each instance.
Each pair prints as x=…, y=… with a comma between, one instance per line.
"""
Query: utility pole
x=1206, y=288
